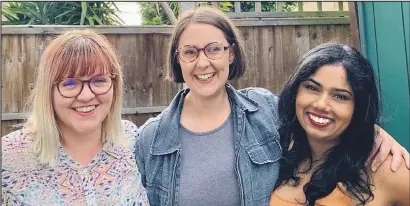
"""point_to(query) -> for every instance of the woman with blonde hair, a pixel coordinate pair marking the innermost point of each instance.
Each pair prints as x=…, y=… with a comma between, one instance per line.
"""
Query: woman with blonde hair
x=74, y=149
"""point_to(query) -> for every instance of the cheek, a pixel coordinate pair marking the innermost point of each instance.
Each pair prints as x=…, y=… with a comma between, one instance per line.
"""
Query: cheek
x=299, y=108
x=107, y=98
x=347, y=113
x=223, y=64
x=186, y=69
x=58, y=101
x=302, y=100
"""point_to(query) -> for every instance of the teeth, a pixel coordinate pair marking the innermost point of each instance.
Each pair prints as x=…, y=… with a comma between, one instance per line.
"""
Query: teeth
x=85, y=109
x=204, y=76
x=319, y=120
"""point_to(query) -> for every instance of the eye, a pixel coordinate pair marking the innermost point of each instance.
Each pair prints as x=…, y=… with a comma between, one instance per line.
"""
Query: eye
x=189, y=51
x=69, y=83
x=341, y=97
x=99, y=80
x=312, y=87
x=213, y=48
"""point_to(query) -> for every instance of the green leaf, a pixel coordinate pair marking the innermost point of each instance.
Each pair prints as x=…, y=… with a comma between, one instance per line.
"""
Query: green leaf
x=98, y=20
x=90, y=20
x=65, y=13
x=83, y=12
x=73, y=13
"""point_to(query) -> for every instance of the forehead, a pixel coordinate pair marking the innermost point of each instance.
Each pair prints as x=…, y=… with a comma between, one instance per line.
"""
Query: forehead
x=82, y=63
x=331, y=76
x=199, y=34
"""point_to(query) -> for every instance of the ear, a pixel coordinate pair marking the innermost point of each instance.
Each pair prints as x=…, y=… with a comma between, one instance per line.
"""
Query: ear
x=231, y=57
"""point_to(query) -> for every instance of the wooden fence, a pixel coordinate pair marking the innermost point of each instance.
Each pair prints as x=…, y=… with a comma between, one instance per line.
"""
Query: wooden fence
x=273, y=48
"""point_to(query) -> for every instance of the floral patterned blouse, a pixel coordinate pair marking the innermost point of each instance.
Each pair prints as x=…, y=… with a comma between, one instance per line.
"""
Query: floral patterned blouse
x=112, y=177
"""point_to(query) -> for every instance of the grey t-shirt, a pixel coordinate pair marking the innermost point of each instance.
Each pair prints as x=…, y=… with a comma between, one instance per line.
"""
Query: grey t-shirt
x=208, y=174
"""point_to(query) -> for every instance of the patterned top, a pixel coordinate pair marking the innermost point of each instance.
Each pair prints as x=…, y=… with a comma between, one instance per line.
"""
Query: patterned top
x=112, y=177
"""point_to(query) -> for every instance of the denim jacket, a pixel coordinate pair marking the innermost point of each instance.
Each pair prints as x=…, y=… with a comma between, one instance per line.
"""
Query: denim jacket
x=256, y=144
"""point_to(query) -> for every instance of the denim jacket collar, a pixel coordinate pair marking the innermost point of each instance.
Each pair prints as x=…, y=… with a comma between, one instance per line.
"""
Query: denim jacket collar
x=166, y=136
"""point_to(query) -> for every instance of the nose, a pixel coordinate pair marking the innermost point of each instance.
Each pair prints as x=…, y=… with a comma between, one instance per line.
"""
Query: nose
x=86, y=94
x=203, y=61
x=322, y=103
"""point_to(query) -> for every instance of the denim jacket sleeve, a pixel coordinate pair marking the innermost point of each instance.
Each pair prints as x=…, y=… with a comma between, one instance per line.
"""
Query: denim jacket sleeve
x=270, y=99
x=144, y=138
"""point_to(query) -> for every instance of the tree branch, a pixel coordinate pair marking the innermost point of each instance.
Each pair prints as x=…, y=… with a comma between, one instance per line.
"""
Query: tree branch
x=168, y=11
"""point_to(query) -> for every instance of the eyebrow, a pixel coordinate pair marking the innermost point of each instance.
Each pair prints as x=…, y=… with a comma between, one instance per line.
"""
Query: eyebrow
x=336, y=89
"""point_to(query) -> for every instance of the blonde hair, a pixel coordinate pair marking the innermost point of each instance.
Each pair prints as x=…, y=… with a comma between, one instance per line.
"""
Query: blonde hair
x=73, y=54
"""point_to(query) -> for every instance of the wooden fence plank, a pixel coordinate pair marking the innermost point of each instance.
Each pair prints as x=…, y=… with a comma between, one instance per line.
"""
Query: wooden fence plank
x=315, y=36
x=300, y=6
x=319, y=6
x=265, y=49
x=354, y=26
x=316, y=14
x=279, y=6
x=237, y=7
x=163, y=91
x=258, y=6
x=328, y=33
x=302, y=40
x=340, y=5
x=278, y=72
x=291, y=21
x=58, y=29
x=289, y=49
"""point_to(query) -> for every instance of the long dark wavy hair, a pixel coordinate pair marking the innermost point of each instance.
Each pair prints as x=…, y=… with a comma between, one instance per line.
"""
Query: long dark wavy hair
x=344, y=162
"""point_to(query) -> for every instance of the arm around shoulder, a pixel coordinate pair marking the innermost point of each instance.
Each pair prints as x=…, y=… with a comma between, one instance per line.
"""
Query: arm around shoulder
x=395, y=185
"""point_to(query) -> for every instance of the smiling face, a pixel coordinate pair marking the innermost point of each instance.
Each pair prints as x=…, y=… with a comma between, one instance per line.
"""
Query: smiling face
x=325, y=103
x=83, y=113
x=204, y=76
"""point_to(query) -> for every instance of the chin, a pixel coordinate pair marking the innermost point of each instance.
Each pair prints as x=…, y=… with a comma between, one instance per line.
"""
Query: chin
x=87, y=127
x=207, y=92
x=318, y=136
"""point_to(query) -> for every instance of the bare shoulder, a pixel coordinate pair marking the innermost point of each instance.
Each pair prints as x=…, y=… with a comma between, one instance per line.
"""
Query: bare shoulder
x=393, y=185
x=386, y=175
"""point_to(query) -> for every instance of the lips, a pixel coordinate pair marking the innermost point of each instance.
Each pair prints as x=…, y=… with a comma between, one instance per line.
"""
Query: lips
x=86, y=110
x=318, y=120
x=205, y=77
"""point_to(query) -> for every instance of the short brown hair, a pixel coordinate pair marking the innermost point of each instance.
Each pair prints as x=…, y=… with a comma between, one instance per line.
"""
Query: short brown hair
x=214, y=17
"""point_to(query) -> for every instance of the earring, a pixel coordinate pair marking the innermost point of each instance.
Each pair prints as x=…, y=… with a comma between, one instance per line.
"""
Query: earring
x=291, y=142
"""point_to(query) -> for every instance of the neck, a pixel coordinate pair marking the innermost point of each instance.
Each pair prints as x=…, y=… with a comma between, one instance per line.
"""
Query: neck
x=81, y=147
x=319, y=148
x=207, y=106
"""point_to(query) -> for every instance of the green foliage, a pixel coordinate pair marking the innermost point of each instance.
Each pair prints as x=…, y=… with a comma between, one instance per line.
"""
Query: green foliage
x=266, y=6
x=153, y=14
x=61, y=13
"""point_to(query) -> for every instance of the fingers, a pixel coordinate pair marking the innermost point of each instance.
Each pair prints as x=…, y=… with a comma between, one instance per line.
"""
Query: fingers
x=396, y=160
x=406, y=157
x=384, y=151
